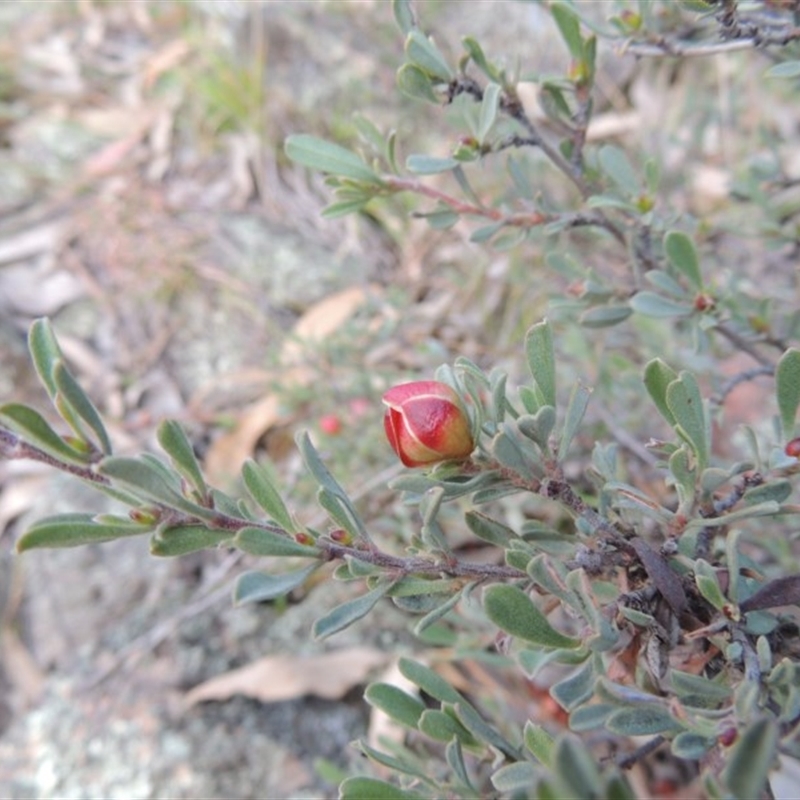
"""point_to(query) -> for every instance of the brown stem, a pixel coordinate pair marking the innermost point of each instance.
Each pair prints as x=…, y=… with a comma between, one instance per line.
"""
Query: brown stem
x=419, y=566
x=665, y=46
x=519, y=220
x=12, y=447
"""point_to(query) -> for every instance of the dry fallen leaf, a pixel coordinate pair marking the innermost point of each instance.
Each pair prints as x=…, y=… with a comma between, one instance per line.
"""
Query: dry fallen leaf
x=286, y=677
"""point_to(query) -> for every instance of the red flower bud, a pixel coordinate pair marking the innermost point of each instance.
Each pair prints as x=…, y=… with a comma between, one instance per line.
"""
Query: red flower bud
x=425, y=423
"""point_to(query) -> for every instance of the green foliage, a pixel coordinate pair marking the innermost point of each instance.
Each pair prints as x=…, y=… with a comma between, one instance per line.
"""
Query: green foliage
x=653, y=604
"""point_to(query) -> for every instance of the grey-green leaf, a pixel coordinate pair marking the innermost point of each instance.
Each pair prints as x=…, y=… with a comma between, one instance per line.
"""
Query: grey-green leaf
x=442, y=727
x=751, y=759
x=538, y=426
x=569, y=26
x=177, y=446
x=262, y=489
x=429, y=681
x=682, y=255
x=341, y=510
x=488, y=112
x=261, y=542
x=654, y=305
x=424, y=53
x=429, y=165
x=541, y=360
x=657, y=377
x=256, y=587
x=415, y=83
x=71, y=391
x=71, y=530
x=488, y=529
x=509, y=608
x=45, y=352
x=347, y=613
x=399, y=705
x=180, y=540
x=514, y=780
x=570, y=692
x=578, y=401
x=403, y=15
x=604, y=316
x=143, y=478
x=787, y=386
x=317, y=467
x=477, y=55
x=642, y=720
x=315, y=153
x=539, y=742
x=615, y=163
x=686, y=404
x=574, y=765
x=786, y=69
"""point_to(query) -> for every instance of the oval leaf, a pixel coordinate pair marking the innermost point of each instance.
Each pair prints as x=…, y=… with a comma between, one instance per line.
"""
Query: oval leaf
x=347, y=613
x=45, y=352
x=682, y=255
x=686, y=404
x=71, y=530
x=424, y=53
x=262, y=489
x=751, y=759
x=70, y=390
x=261, y=542
x=256, y=587
x=654, y=305
x=415, y=83
x=176, y=445
x=327, y=157
x=396, y=703
x=429, y=165
x=513, y=611
x=787, y=386
x=641, y=720
x=541, y=361
x=657, y=377
x=146, y=478
x=183, y=539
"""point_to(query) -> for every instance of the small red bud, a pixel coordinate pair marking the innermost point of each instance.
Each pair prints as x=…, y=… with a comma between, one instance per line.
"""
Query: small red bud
x=330, y=424
x=304, y=538
x=792, y=448
x=728, y=736
x=340, y=536
x=703, y=302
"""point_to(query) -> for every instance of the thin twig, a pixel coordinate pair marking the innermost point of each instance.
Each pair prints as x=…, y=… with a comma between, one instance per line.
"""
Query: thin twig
x=742, y=377
x=13, y=447
x=743, y=344
x=670, y=47
x=419, y=566
x=629, y=759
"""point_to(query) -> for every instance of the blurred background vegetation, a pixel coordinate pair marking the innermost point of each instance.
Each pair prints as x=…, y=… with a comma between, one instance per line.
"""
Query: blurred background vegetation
x=147, y=208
